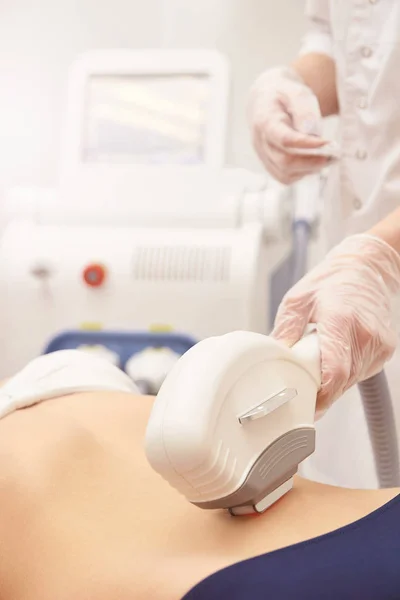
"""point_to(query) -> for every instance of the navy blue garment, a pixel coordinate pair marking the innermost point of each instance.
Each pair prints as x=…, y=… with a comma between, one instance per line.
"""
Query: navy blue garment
x=358, y=562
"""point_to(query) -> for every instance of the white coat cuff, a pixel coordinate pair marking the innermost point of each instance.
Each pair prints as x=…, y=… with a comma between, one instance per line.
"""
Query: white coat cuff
x=317, y=42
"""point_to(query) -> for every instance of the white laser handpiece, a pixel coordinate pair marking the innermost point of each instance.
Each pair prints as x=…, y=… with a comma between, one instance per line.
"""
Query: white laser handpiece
x=234, y=419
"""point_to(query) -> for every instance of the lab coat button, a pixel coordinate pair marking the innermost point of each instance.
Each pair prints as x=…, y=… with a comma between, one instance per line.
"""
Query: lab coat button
x=361, y=154
x=366, y=51
x=362, y=103
x=357, y=203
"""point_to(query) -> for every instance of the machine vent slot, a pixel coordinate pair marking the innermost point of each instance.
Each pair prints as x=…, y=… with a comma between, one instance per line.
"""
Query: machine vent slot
x=182, y=263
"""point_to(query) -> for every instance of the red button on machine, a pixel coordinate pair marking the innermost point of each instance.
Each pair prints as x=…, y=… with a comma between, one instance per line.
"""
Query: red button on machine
x=94, y=275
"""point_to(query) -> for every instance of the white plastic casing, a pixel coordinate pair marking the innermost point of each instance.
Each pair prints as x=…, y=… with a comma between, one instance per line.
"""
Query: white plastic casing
x=191, y=249
x=199, y=282
x=178, y=198
x=194, y=439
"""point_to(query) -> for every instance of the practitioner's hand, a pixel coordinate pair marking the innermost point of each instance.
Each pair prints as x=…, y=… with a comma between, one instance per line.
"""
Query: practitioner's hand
x=348, y=296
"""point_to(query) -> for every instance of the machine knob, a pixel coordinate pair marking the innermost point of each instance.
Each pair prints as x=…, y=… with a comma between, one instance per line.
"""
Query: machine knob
x=94, y=275
x=41, y=271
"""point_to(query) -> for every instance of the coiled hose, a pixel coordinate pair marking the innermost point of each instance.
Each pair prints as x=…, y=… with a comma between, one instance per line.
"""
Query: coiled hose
x=375, y=394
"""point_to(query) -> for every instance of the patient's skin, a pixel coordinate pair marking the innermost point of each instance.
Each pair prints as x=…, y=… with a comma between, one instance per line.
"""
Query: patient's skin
x=83, y=516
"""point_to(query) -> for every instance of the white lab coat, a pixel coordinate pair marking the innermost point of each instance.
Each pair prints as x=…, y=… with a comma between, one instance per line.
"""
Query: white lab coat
x=363, y=37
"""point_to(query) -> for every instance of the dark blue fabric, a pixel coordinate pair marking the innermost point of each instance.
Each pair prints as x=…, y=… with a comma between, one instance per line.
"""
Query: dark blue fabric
x=360, y=561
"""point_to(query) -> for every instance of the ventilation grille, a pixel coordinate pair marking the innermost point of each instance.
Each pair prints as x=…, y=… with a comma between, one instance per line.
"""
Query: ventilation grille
x=182, y=263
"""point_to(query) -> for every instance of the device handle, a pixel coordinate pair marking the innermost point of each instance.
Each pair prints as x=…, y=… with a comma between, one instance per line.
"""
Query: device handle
x=307, y=350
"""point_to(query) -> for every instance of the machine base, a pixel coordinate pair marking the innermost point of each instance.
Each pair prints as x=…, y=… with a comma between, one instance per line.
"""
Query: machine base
x=264, y=504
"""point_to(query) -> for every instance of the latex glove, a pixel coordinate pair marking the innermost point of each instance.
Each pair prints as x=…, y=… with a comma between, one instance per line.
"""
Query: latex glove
x=284, y=115
x=349, y=297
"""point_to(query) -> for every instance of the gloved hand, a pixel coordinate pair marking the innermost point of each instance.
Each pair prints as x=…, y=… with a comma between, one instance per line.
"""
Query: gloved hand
x=284, y=115
x=348, y=296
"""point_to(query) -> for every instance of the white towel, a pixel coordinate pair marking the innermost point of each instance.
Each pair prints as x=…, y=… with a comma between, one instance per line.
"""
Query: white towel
x=59, y=374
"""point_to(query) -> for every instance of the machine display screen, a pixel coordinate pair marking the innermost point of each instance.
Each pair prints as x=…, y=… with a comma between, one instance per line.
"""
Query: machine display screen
x=149, y=119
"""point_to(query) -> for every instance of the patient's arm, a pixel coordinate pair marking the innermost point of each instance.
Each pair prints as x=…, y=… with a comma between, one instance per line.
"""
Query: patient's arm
x=83, y=516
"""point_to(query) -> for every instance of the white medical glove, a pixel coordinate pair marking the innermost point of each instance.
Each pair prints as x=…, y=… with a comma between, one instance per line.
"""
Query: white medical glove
x=348, y=296
x=284, y=115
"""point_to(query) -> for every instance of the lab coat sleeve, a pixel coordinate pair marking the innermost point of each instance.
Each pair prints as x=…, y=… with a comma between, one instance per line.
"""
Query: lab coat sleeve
x=319, y=36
